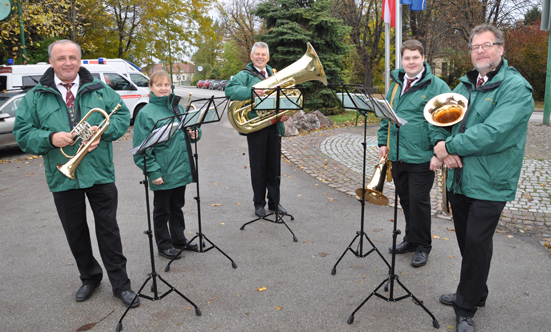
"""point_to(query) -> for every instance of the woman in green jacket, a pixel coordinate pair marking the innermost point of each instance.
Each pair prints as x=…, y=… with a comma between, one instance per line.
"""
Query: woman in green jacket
x=168, y=168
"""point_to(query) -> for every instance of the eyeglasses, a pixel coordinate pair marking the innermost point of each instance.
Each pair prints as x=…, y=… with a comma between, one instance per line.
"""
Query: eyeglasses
x=484, y=47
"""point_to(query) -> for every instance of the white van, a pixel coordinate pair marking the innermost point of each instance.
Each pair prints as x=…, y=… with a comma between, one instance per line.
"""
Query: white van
x=127, y=68
x=21, y=77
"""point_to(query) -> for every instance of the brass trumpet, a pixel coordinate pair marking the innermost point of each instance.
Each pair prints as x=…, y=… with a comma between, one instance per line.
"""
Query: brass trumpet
x=373, y=192
x=82, y=131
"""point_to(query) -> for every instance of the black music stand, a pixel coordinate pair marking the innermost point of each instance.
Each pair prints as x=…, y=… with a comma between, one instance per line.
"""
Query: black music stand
x=364, y=102
x=263, y=106
x=208, y=113
x=162, y=132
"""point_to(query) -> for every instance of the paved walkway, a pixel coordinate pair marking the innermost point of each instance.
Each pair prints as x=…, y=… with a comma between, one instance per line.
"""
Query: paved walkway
x=334, y=156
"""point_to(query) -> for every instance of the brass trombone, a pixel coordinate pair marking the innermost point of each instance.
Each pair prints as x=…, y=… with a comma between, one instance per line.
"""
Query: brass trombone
x=88, y=137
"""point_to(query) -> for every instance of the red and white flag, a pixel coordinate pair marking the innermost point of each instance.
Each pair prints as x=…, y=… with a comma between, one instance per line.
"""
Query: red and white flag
x=389, y=10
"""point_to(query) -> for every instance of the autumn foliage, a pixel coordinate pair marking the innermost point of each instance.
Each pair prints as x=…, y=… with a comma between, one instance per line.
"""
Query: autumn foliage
x=526, y=50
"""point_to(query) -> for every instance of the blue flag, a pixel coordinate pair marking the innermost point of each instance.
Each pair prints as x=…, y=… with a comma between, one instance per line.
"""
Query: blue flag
x=417, y=5
x=406, y=2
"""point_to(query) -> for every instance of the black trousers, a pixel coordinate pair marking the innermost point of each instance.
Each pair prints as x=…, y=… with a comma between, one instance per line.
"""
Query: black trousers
x=264, y=158
x=71, y=208
x=413, y=184
x=475, y=223
x=168, y=217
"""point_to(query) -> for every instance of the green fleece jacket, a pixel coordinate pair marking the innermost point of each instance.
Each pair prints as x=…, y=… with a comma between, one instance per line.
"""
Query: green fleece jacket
x=417, y=136
x=43, y=112
x=239, y=88
x=492, y=146
x=169, y=160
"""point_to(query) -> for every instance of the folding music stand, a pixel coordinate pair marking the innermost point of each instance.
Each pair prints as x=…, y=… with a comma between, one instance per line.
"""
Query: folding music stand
x=263, y=104
x=162, y=132
x=207, y=113
x=364, y=103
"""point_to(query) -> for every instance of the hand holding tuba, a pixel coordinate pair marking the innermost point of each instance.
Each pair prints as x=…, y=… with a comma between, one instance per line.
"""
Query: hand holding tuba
x=88, y=137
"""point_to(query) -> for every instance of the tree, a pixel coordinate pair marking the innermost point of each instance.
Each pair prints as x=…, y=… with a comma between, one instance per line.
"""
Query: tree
x=290, y=25
x=364, y=17
x=526, y=50
x=532, y=16
x=240, y=24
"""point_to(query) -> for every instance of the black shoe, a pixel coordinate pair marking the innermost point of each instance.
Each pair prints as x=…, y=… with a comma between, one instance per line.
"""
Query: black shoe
x=127, y=297
x=259, y=211
x=85, y=292
x=188, y=246
x=402, y=248
x=280, y=209
x=170, y=253
x=449, y=299
x=464, y=324
x=420, y=259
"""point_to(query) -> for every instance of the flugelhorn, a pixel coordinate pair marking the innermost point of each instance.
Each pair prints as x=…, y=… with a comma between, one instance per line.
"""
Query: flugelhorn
x=307, y=68
x=82, y=131
x=373, y=192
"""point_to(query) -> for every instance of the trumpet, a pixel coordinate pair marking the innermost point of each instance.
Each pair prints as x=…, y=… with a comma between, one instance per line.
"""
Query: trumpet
x=373, y=192
x=83, y=132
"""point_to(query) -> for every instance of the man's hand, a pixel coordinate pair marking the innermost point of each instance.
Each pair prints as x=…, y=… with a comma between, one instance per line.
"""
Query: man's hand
x=382, y=152
x=260, y=92
x=158, y=181
x=94, y=145
x=62, y=139
x=453, y=161
x=435, y=164
x=440, y=150
x=283, y=118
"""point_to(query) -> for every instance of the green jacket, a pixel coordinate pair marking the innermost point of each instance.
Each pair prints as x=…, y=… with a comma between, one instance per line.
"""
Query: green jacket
x=417, y=136
x=239, y=88
x=43, y=112
x=492, y=146
x=169, y=160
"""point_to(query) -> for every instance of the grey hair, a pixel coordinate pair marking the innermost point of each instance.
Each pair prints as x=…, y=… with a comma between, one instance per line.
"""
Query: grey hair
x=260, y=45
x=64, y=41
x=484, y=28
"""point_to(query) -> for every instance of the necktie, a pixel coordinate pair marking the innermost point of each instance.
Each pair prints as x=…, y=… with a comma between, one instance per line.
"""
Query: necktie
x=263, y=73
x=70, y=101
x=409, y=83
x=480, y=82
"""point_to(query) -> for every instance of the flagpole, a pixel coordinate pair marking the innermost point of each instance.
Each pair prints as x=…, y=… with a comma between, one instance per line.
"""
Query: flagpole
x=387, y=58
x=398, y=32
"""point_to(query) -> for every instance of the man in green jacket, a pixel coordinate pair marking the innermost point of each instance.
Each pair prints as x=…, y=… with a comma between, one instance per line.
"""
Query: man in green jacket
x=484, y=156
x=413, y=173
x=45, y=118
x=264, y=152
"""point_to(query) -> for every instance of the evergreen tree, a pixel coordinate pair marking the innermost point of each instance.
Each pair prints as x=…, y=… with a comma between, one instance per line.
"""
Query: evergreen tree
x=290, y=24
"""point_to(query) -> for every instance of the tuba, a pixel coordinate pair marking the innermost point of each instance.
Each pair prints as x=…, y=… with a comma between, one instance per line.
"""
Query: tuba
x=82, y=131
x=445, y=110
x=307, y=68
x=373, y=192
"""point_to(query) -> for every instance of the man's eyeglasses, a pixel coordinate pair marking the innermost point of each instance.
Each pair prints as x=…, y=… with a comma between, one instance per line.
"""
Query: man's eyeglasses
x=484, y=47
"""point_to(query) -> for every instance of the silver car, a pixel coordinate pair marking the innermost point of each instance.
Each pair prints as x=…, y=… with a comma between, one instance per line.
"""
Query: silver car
x=8, y=107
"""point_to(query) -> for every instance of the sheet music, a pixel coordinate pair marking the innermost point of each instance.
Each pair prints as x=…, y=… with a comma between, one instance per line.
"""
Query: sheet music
x=160, y=134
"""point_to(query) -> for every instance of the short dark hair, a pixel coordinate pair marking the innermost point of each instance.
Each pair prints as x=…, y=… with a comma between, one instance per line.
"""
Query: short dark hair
x=412, y=45
x=487, y=27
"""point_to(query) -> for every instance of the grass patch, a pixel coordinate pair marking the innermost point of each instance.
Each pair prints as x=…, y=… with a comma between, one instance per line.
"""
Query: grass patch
x=349, y=118
x=538, y=104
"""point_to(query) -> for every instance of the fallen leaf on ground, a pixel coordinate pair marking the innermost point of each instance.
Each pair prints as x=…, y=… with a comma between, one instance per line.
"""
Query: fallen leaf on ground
x=450, y=229
x=501, y=231
x=510, y=236
x=261, y=289
x=451, y=256
x=215, y=204
x=376, y=230
x=279, y=308
x=322, y=254
x=435, y=236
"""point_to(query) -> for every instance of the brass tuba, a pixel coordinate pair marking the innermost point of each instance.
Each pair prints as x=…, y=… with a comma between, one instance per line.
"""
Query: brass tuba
x=307, y=68
x=82, y=131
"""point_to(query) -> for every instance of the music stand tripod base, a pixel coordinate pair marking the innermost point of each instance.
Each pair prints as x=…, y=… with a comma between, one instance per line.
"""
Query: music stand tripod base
x=278, y=220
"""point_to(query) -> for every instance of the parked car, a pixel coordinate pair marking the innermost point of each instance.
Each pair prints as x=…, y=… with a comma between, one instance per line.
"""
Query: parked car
x=214, y=85
x=200, y=84
x=222, y=85
x=9, y=102
x=207, y=84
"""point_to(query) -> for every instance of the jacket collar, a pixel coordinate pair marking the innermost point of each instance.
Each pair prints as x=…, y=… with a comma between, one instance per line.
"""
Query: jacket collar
x=47, y=80
x=398, y=77
x=495, y=77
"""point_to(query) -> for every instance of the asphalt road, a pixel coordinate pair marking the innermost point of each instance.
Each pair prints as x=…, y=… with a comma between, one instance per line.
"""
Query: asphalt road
x=38, y=277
